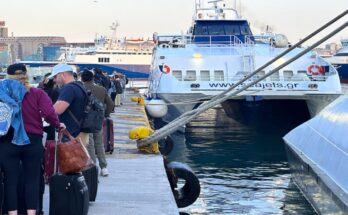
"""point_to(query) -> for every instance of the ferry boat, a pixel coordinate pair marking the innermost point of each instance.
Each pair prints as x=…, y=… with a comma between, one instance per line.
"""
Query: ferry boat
x=131, y=57
x=340, y=61
x=318, y=157
x=219, y=50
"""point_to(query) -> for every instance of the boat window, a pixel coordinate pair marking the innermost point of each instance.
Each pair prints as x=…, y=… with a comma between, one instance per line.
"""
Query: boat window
x=287, y=75
x=100, y=59
x=218, y=75
x=232, y=30
x=216, y=30
x=201, y=30
x=341, y=55
x=274, y=76
x=302, y=72
x=205, y=75
x=259, y=75
x=245, y=30
x=177, y=74
x=190, y=75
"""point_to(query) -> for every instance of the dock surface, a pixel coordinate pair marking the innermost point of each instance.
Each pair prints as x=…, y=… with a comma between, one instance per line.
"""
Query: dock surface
x=137, y=183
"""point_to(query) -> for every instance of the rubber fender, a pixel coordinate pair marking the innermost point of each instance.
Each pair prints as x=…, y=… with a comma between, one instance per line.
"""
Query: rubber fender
x=189, y=193
x=166, y=145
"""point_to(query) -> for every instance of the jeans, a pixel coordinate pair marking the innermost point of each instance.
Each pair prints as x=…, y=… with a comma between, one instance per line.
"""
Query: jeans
x=96, y=148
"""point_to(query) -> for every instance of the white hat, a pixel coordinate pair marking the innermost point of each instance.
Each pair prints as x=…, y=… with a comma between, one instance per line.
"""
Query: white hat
x=59, y=68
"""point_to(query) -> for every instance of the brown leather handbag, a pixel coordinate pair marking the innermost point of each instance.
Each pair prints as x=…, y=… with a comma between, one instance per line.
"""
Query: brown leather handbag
x=72, y=155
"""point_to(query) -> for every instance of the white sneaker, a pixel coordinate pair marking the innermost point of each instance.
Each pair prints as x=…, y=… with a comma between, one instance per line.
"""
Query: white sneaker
x=104, y=172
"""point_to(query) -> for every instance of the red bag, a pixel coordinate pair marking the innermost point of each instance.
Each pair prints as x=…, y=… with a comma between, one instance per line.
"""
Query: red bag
x=108, y=131
x=72, y=155
x=49, y=159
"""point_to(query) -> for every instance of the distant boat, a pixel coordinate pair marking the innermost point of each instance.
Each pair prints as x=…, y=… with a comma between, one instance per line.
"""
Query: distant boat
x=340, y=61
x=318, y=158
x=131, y=57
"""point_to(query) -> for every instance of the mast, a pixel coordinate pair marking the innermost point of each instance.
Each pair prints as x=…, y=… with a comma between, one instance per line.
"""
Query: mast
x=113, y=27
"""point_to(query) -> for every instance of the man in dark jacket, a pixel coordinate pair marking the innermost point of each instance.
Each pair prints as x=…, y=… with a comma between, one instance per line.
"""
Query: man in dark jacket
x=96, y=143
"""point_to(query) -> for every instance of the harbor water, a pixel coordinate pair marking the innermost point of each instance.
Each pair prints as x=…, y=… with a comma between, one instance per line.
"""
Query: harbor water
x=242, y=169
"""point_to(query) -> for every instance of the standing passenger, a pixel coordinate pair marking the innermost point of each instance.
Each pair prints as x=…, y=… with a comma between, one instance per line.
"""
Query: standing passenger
x=24, y=147
x=72, y=100
x=96, y=143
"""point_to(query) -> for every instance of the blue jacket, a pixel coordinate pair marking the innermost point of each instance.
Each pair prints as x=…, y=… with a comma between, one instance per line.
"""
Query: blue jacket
x=12, y=93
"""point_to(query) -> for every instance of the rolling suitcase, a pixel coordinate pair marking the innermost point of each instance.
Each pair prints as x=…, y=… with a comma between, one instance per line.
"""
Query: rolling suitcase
x=49, y=159
x=91, y=177
x=68, y=193
x=108, y=130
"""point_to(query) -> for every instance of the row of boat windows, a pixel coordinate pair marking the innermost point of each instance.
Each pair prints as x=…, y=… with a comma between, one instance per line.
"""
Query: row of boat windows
x=222, y=30
x=126, y=53
x=104, y=60
x=218, y=75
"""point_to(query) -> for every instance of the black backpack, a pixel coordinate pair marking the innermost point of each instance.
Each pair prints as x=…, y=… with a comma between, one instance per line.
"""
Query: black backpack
x=93, y=117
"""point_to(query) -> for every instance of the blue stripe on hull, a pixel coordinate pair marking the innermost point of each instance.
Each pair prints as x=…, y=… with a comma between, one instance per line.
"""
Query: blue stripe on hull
x=342, y=72
x=131, y=71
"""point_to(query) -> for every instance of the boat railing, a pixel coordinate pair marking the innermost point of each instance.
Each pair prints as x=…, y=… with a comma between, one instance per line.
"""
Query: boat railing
x=177, y=41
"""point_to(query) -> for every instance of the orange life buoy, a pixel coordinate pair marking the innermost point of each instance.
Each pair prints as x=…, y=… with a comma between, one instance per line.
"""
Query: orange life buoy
x=316, y=70
x=164, y=69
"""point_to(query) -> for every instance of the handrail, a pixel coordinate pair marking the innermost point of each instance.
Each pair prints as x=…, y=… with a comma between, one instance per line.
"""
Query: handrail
x=186, y=117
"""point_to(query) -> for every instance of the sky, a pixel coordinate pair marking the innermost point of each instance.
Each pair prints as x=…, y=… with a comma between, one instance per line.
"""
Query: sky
x=81, y=20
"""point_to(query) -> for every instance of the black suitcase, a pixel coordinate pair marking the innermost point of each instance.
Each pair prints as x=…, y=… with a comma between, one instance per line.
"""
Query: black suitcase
x=68, y=195
x=91, y=177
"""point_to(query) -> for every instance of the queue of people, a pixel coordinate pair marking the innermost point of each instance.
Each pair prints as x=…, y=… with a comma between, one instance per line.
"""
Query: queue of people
x=59, y=100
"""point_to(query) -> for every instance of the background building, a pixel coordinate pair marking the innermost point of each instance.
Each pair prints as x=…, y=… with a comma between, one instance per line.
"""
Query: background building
x=25, y=48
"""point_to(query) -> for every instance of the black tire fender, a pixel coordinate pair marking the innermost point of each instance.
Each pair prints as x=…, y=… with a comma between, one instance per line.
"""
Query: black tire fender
x=188, y=194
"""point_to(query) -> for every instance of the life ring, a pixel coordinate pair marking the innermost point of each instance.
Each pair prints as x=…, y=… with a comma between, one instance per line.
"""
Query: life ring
x=166, y=145
x=316, y=70
x=164, y=69
x=188, y=194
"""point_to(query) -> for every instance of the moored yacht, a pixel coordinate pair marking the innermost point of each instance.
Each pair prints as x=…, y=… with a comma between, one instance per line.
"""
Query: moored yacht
x=218, y=51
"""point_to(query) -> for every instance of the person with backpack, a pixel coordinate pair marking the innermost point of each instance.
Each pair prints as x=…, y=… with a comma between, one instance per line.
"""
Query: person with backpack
x=119, y=90
x=100, y=79
x=71, y=101
x=96, y=143
x=21, y=149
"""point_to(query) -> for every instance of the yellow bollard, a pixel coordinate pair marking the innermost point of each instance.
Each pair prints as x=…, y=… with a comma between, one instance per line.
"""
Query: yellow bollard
x=134, y=99
x=141, y=101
